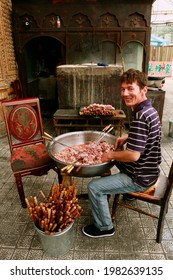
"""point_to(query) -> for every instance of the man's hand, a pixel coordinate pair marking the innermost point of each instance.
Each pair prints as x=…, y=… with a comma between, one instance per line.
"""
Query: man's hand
x=120, y=141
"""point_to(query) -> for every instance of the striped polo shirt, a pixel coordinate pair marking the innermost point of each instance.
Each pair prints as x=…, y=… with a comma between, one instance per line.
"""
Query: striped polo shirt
x=144, y=137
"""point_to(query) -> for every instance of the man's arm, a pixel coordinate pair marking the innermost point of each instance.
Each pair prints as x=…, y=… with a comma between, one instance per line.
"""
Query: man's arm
x=123, y=156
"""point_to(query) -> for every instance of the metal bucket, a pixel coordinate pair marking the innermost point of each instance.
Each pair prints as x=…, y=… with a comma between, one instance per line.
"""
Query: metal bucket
x=58, y=244
x=171, y=127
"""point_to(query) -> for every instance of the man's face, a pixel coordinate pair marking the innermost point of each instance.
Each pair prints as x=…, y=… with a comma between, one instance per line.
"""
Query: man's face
x=132, y=94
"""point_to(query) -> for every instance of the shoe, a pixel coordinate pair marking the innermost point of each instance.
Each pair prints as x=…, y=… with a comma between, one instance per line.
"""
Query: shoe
x=94, y=232
x=128, y=197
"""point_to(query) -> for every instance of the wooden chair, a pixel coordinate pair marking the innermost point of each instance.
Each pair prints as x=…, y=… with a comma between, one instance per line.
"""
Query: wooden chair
x=25, y=130
x=159, y=195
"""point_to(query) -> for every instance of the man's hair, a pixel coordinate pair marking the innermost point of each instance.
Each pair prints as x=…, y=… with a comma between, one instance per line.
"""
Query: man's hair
x=132, y=75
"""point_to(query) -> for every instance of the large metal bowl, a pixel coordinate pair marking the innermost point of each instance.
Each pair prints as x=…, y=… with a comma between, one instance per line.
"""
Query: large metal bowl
x=77, y=138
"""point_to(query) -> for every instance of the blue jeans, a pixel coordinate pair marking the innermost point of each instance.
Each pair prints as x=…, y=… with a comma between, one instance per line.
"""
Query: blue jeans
x=99, y=188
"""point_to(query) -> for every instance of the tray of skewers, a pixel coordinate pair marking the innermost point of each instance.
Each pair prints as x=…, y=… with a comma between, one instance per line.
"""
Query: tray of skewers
x=100, y=110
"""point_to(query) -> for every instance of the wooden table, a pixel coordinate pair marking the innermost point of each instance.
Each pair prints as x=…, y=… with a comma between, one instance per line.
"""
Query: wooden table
x=66, y=120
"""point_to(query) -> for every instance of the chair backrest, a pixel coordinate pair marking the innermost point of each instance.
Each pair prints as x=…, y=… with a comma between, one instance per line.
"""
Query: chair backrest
x=164, y=192
x=169, y=183
x=23, y=122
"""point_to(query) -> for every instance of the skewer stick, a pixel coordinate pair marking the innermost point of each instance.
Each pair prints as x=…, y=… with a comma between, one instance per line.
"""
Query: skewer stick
x=43, y=196
x=102, y=136
x=35, y=201
x=78, y=168
x=74, y=183
x=48, y=135
x=27, y=203
x=106, y=127
x=50, y=138
x=70, y=169
x=106, y=130
x=47, y=138
x=64, y=168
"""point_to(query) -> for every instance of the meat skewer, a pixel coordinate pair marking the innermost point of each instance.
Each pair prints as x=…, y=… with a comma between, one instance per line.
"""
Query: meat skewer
x=50, y=138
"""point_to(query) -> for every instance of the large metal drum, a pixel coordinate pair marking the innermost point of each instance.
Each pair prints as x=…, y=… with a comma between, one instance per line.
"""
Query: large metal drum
x=78, y=138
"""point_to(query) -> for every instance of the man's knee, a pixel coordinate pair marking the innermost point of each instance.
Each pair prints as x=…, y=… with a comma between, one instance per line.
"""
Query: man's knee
x=92, y=186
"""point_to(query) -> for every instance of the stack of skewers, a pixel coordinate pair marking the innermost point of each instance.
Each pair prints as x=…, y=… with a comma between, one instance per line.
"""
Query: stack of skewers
x=56, y=212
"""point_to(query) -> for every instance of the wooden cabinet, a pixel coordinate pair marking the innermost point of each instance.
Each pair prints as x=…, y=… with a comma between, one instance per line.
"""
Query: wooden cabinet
x=52, y=33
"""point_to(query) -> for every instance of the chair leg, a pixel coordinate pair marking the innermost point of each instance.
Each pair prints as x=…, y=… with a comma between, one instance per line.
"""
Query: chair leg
x=58, y=171
x=60, y=177
x=160, y=225
x=114, y=207
x=20, y=190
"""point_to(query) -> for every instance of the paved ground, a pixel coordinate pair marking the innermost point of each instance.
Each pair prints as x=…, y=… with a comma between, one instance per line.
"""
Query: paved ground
x=135, y=234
